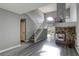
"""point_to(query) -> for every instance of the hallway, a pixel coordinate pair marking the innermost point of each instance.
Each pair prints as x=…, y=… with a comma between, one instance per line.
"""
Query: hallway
x=42, y=48
x=49, y=48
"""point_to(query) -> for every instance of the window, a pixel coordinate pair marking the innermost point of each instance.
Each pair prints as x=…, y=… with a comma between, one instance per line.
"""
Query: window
x=50, y=19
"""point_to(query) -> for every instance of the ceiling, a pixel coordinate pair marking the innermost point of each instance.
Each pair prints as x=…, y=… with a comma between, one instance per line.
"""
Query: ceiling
x=48, y=8
x=51, y=7
x=21, y=8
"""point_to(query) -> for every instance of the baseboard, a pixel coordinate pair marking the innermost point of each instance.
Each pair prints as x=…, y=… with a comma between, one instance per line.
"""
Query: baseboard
x=10, y=48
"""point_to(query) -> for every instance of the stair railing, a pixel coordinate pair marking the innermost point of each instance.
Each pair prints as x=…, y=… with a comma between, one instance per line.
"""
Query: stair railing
x=39, y=31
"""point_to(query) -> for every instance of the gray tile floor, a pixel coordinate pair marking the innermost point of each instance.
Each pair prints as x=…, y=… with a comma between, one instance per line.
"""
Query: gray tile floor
x=42, y=48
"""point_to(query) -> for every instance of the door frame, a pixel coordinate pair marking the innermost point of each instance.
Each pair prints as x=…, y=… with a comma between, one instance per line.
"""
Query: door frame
x=22, y=19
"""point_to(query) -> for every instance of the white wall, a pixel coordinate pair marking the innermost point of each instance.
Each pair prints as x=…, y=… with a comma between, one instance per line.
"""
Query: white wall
x=73, y=12
x=9, y=29
x=37, y=16
x=51, y=14
x=77, y=29
x=30, y=27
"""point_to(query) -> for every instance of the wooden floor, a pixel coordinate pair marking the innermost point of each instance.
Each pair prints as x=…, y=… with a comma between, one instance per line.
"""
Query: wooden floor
x=43, y=48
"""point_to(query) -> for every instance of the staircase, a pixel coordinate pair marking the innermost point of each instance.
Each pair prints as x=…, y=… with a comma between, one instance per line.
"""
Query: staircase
x=35, y=16
x=38, y=32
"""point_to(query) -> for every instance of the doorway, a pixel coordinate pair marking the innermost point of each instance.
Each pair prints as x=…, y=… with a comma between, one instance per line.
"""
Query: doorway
x=22, y=31
x=50, y=33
